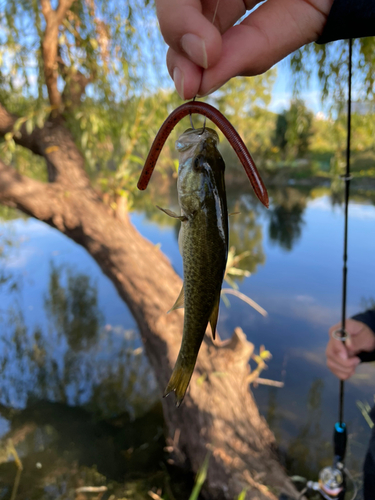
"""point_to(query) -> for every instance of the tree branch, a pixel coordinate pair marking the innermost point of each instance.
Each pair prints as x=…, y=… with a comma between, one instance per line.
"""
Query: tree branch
x=32, y=197
x=49, y=48
x=62, y=9
x=29, y=141
x=54, y=142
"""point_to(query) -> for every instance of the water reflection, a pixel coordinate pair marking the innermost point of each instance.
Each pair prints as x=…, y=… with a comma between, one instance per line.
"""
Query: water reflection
x=310, y=451
x=62, y=448
x=80, y=399
x=78, y=394
x=75, y=359
x=285, y=215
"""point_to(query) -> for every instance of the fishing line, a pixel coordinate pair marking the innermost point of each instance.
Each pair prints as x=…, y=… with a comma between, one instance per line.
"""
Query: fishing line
x=212, y=22
x=191, y=120
x=217, y=5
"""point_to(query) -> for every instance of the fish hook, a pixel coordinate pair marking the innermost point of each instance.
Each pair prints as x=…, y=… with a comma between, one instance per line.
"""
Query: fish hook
x=204, y=126
x=191, y=119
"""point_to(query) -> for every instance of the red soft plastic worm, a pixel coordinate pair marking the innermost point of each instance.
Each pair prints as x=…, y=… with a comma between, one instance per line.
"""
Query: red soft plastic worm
x=224, y=125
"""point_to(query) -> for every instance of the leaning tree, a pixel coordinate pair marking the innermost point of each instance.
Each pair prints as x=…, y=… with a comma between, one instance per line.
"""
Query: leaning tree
x=65, y=76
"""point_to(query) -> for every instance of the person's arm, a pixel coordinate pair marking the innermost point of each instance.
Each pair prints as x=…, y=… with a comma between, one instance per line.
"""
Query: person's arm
x=343, y=358
x=368, y=318
x=349, y=19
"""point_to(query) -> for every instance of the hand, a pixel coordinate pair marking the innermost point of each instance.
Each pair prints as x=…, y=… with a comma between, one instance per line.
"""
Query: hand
x=203, y=56
x=341, y=358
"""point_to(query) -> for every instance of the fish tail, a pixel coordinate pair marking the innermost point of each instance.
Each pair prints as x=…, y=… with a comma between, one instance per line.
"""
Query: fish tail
x=179, y=380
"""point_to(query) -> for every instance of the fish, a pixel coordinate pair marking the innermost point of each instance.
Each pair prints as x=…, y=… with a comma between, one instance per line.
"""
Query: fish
x=203, y=244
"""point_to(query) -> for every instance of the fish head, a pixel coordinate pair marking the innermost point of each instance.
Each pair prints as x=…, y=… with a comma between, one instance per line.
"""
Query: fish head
x=200, y=161
x=194, y=138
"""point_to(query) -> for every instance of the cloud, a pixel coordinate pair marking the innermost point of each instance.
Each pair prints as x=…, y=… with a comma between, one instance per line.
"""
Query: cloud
x=22, y=259
x=356, y=210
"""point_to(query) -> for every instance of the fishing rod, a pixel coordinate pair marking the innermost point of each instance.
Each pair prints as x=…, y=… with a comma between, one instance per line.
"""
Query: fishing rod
x=332, y=480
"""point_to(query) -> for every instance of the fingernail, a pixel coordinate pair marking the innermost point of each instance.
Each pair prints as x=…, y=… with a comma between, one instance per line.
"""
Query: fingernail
x=178, y=78
x=195, y=48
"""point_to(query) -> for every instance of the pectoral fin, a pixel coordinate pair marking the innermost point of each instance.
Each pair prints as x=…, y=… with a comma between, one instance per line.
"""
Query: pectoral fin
x=214, y=316
x=180, y=302
x=182, y=218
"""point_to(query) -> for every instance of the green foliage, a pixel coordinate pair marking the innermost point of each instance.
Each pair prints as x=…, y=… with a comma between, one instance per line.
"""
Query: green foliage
x=101, y=40
x=117, y=51
x=293, y=130
x=244, y=102
x=330, y=64
x=286, y=217
x=111, y=101
x=279, y=137
x=232, y=267
x=200, y=479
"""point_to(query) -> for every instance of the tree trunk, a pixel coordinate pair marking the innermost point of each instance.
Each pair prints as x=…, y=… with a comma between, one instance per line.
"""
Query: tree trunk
x=219, y=414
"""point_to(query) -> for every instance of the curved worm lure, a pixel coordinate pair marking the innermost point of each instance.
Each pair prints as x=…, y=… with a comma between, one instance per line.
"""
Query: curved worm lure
x=227, y=129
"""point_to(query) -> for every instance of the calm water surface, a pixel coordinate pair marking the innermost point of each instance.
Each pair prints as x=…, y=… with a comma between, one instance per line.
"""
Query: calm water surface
x=70, y=349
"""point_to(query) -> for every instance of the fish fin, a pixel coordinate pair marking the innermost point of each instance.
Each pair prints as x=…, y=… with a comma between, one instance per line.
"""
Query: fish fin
x=172, y=214
x=214, y=316
x=233, y=213
x=179, y=380
x=180, y=302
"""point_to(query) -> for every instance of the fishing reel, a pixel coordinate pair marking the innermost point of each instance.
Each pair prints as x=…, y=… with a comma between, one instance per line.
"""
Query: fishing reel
x=331, y=484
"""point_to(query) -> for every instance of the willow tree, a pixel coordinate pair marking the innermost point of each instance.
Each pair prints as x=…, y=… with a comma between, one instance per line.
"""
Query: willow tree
x=328, y=64
x=75, y=122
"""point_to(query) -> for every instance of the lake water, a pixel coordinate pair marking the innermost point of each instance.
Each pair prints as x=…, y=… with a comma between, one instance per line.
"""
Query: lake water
x=67, y=338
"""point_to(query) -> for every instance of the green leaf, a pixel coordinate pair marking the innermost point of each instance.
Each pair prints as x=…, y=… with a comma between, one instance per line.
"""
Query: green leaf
x=93, y=43
x=40, y=120
x=19, y=123
x=242, y=495
x=84, y=139
x=201, y=477
x=201, y=379
x=265, y=355
x=29, y=125
x=136, y=159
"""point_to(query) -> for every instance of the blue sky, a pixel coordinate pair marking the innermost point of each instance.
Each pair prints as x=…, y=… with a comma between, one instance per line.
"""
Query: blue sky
x=282, y=90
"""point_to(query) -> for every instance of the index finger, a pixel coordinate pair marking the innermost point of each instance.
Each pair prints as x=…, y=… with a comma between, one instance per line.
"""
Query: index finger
x=186, y=30
x=192, y=28
x=266, y=36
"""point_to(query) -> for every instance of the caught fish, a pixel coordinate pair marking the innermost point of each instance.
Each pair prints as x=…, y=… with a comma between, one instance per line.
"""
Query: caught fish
x=203, y=243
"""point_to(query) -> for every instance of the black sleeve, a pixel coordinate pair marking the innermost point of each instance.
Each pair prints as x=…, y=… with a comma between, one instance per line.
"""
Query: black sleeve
x=349, y=19
x=368, y=318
